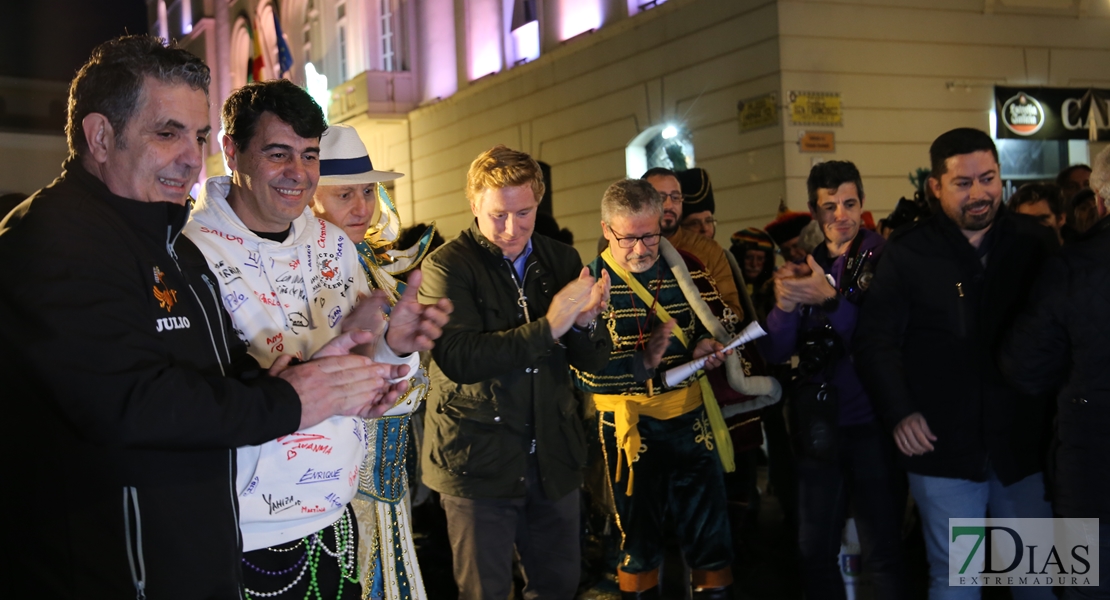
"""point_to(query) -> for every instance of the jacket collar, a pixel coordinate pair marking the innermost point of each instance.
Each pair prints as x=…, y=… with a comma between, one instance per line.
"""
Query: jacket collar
x=162, y=221
x=490, y=250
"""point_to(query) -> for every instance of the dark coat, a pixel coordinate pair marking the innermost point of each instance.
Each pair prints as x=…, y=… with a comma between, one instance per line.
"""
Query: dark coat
x=926, y=340
x=120, y=419
x=499, y=382
x=1061, y=345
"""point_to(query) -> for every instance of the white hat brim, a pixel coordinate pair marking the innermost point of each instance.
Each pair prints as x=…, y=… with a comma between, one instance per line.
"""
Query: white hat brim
x=360, y=178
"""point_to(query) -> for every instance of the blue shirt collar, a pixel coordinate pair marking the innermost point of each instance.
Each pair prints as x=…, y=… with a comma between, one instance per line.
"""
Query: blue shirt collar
x=522, y=260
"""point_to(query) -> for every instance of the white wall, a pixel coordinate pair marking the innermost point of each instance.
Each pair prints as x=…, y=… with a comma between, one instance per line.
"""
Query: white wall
x=892, y=61
x=578, y=106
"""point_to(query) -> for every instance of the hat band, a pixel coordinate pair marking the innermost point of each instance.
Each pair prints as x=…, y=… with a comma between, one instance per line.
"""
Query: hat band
x=345, y=166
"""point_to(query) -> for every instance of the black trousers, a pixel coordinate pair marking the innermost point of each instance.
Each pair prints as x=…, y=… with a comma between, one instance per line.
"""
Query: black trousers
x=271, y=569
x=545, y=534
x=865, y=479
x=678, y=477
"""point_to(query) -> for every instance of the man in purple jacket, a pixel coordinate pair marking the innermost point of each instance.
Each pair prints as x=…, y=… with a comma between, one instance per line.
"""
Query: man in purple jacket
x=845, y=456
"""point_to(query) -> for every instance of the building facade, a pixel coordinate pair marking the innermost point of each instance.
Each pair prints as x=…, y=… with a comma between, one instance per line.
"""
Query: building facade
x=754, y=91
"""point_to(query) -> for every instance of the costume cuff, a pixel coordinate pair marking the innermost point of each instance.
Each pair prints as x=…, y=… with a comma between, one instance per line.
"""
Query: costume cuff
x=385, y=355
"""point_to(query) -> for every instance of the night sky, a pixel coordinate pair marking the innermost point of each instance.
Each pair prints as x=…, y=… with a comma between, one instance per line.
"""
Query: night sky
x=51, y=39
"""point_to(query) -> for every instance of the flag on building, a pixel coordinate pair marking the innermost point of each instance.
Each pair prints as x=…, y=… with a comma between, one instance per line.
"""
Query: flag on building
x=285, y=57
x=255, y=62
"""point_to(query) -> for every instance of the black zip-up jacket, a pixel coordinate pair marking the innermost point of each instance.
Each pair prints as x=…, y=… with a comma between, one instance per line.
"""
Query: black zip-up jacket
x=1061, y=345
x=498, y=382
x=126, y=394
x=927, y=336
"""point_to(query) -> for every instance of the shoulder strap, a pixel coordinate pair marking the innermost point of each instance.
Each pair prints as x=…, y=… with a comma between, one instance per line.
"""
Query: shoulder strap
x=641, y=291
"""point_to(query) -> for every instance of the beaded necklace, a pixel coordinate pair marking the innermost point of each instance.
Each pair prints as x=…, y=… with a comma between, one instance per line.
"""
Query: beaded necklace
x=345, y=554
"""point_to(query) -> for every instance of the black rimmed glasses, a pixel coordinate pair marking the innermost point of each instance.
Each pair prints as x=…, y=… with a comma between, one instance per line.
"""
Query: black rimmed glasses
x=674, y=196
x=649, y=240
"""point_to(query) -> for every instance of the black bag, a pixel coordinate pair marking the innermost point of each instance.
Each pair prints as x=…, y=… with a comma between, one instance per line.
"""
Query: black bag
x=814, y=419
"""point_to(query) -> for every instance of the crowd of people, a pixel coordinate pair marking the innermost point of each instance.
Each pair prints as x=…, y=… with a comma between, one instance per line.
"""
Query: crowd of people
x=230, y=386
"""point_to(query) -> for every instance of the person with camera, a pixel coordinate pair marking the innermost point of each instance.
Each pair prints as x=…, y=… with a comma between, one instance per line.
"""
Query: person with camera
x=845, y=458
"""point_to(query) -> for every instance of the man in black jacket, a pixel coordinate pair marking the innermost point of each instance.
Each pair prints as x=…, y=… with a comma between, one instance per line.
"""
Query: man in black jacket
x=944, y=292
x=127, y=390
x=1059, y=346
x=504, y=443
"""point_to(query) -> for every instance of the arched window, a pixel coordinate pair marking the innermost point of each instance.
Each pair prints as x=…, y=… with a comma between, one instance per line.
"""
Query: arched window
x=240, y=52
x=667, y=145
x=268, y=37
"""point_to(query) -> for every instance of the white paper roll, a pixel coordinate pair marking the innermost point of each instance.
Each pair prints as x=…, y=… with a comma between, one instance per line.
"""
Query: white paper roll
x=683, y=372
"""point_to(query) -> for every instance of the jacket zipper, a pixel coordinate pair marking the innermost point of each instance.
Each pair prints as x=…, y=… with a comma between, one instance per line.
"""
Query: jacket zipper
x=522, y=300
x=211, y=336
x=216, y=302
x=135, y=553
x=219, y=361
x=234, y=508
x=961, y=316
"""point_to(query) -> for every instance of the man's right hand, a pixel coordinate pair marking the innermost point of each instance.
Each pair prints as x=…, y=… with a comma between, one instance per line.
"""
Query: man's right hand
x=336, y=382
x=569, y=302
x=657, y=344
x=912, y=435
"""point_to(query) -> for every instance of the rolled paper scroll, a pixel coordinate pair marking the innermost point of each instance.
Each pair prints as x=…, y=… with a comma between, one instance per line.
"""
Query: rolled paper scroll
x=683, y=372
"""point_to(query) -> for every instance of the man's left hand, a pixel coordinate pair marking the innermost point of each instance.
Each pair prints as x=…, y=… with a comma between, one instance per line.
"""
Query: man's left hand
x=598, y=301
x=713, y=351
x=414, y=327
x=812, y=289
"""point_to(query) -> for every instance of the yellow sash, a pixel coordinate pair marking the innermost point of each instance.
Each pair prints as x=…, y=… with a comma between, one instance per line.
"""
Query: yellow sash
x=626, y=415
x=622, y=410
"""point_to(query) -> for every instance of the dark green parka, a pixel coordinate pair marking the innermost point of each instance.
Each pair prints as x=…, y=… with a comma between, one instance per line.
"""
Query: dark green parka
x=499, y=382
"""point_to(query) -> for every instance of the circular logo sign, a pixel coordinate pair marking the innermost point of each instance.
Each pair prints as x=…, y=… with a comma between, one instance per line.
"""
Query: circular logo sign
x=1023, y=114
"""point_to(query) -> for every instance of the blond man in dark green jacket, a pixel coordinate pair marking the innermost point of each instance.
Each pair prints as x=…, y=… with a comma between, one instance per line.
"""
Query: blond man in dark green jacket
x=504, y=443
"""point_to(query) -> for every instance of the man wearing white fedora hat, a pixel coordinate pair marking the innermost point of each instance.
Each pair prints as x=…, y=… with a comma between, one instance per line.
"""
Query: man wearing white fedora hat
x=348, y=195
x=291, y=282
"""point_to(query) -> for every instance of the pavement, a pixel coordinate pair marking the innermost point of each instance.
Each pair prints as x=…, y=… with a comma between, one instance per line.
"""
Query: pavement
x=765, y=566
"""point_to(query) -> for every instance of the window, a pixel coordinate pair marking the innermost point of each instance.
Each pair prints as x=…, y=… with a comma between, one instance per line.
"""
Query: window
x=387, y=41
x=639, y=6
x=186, y=16
x=525, y=31
x=342, y=53
x=163, y=22
x=341, y=32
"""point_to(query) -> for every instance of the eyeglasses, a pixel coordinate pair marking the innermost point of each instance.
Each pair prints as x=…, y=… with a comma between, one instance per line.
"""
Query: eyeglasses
x=652, y=239
x=674, y=196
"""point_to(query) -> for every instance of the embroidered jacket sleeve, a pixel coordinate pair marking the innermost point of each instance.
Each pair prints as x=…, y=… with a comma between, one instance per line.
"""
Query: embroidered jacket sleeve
x=630, y=326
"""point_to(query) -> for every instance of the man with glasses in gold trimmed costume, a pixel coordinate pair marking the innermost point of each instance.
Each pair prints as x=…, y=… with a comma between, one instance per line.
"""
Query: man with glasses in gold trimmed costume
x=666, y=446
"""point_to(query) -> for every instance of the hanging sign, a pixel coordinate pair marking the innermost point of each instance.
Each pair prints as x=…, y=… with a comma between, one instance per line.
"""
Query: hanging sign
x=1041, y=113
x=815, y=108
x=759, y=112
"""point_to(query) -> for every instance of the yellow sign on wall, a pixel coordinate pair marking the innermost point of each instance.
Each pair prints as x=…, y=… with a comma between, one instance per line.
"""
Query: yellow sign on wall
x=817, y=141
x=759, y=112
x=815, y=108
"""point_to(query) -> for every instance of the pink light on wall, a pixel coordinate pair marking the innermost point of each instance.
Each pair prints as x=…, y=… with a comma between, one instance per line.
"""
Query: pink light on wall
x=526, y=39
x=440, y=74
x=578, y=16
x=483, y=21
x=637, y=6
